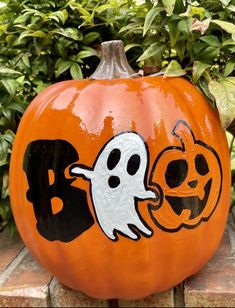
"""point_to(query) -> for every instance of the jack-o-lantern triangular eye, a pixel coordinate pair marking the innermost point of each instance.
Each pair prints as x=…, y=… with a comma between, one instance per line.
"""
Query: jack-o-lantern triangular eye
x=201, y=164
x=176, y=172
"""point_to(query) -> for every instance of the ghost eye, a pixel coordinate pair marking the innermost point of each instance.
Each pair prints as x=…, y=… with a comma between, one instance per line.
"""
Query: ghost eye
x=201, y=165
x=176, y=172
x=113, y=159
x=133, y=164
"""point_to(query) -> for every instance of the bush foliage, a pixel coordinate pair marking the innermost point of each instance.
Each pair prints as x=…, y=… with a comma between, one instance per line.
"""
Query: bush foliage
x=45, y=41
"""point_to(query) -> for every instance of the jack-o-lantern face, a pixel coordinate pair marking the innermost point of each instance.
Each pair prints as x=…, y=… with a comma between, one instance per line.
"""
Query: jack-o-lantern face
x=190, y=177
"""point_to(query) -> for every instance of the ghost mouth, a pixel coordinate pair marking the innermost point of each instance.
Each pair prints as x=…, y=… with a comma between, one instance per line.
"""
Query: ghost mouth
x=194, y=203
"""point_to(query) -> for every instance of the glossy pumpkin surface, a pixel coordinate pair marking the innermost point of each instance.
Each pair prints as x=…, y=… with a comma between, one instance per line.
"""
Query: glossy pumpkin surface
x=120, y=188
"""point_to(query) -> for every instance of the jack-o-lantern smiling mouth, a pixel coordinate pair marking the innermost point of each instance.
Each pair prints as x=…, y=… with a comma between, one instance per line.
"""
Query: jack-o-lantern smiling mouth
x=193, y=203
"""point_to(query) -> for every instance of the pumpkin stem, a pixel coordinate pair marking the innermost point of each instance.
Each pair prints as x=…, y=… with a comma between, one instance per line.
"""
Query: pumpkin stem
x=184, y=133
x=113, y=63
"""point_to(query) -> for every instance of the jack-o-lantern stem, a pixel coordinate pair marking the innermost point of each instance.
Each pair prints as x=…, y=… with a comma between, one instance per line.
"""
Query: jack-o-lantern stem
x=183, y=132
x=113, y=63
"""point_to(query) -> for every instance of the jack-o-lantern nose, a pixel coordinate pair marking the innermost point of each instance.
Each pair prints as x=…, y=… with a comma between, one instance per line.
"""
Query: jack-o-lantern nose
x=193, y=183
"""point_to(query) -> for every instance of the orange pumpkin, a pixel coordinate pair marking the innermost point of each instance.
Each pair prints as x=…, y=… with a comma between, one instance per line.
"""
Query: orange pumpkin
x=93, y=168
x=191, y=175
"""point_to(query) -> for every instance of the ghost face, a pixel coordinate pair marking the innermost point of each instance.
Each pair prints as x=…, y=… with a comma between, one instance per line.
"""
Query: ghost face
x=117, y=183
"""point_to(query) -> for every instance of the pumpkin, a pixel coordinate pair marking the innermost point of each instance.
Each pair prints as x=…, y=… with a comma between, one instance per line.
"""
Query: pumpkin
x=191, y=177
x=95, y=166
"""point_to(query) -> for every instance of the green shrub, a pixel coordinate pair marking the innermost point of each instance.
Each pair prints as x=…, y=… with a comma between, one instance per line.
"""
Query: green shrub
x=45, y=41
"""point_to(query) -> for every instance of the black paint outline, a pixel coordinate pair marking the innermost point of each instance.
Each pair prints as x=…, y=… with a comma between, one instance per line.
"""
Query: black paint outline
x=151, y=183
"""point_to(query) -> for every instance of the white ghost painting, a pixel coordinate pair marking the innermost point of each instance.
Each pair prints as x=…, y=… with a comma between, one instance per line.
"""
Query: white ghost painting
x=117, y=183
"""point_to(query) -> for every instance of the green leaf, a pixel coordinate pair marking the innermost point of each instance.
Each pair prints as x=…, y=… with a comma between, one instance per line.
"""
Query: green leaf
x=231, y=79
x=63, y=66
x=184, y=26
x=76, y=72
x=16, y=107
x=9, y=136
x=7, y=114
x=80, y=9
x=225, y=2
x=149, y=52
x=228, y=43
x=85, y=54
x=132, y=26
x=54, y=17
x=39, y=65
x=229, y=67
x=10, y=39
x=174, y=33
x=211, y=40
x=226, y=26
x=3, y=151
x=65, y=16
x=38, y=33
x=3, y=122
x=90, y=37
x=3, y=28
x=5, y=210
x=59, y=16
x=209, y=53
x=27, y=33
x=8, y=71
x=41, y=86
x=34, y=20
x=169, y=6
x=224, y=94
x=61, y=49
x=174, y=69
x=180, y=49
x=33, y=12
x=71, y=33
x=103, y=8
x=198, y=69
x=10, y=85
x=20, y=19
x=11, y=228
x=129, y=46
x=25, y=60
x=52, y=3
x=231, y=7
x=5, y=187
x=2, y=214
x=233, y=36
x=150, y=18
x=179, y=7
x=203, y=86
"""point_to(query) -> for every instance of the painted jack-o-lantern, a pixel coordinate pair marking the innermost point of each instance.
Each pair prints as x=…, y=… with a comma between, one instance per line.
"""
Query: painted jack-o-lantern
x=119, y=185
x=191, y=177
